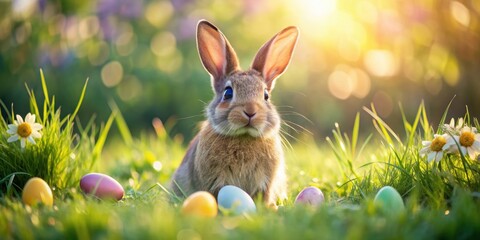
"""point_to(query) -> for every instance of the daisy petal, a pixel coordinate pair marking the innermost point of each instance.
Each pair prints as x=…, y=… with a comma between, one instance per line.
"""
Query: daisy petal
x=476, y=146
x=19, y=119
x=12, y=130
x=23, y=142
x=460, y=123
x=13, y=138
x=424, y=151
x=471, y=152
x=36, y=134
x=30, y=118
x=466, y=129
x=426, y=143
x=30, y=139
x=36, y=126
x=431, y=156
x=438, y=156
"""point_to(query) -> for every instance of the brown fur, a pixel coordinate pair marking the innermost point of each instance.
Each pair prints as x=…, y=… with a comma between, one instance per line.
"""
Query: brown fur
x=240, y=143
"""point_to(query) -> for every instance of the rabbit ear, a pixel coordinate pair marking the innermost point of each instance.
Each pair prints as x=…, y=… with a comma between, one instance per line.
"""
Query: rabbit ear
x=274, y=56
x=217, y=56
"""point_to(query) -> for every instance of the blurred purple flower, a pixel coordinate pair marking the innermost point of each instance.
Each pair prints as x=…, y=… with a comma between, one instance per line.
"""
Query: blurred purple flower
x=180, y=4
x=186, y=28
x=56, y=56
x=42, y=4
x=122, y=8
x=108, y=29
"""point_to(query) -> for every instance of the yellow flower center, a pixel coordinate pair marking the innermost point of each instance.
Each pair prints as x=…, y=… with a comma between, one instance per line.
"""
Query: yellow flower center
x=24, y=130
x=437, y=144
x=467, y=139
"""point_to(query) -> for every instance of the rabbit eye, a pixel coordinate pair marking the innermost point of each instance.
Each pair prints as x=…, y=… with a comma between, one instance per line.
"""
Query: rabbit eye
x=228, y=93
x=265, y=95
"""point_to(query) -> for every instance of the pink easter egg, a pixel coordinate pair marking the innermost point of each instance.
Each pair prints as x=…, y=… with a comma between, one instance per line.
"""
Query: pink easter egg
x=310, y=196
x=101, y=186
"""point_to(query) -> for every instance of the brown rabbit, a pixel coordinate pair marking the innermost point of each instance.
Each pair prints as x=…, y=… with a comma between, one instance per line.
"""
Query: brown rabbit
x=239, y=144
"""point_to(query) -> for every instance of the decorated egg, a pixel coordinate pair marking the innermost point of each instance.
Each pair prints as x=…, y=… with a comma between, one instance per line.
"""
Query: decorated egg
x=201, y=204
x=311, y=196
x=232, y=198
x=389, y=200
x=101, y=186
x=37, y=191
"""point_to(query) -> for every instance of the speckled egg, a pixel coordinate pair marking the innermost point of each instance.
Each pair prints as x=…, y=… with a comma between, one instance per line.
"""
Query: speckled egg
x=389, y=200
x=101, y=186
x=234, y=199
x=37, y=191
x=202, y=204
x=311, y=196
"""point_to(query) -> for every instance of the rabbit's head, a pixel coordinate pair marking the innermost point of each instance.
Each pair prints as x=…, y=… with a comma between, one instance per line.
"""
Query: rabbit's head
x=241, y=105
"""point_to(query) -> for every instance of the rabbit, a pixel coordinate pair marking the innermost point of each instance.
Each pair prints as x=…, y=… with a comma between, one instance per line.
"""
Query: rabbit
x=239, y=143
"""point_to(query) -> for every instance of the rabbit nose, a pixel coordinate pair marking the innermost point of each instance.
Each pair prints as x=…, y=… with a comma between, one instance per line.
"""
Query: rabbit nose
x=250, y=110
x=249, y=115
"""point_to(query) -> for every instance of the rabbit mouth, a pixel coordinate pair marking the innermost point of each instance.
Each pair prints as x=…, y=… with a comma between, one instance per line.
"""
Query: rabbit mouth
x=248, y=130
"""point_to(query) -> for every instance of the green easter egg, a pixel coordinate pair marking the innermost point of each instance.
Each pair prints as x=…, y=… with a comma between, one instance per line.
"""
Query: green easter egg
x=389, y=200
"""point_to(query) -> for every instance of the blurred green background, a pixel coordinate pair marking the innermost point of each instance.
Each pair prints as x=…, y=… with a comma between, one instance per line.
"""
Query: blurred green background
x=142, y=55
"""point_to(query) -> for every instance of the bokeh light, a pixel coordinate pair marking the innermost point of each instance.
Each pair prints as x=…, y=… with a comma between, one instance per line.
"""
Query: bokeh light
x=112, y=73
x=381, y=63
x=460, y=13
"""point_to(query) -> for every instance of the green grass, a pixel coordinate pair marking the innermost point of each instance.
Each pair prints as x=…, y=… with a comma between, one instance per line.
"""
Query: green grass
x=442, y=199
x=60, y=156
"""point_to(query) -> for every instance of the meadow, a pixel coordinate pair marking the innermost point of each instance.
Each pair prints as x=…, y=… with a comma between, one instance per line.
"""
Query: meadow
x=441, y=198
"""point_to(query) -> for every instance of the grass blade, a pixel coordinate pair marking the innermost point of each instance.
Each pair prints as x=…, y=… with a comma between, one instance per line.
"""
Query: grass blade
x=121, y=124
x=97, y=150
x=356, y=127
x=444, y=116
x=44, y=87
x=384, y=128
x=80, y=100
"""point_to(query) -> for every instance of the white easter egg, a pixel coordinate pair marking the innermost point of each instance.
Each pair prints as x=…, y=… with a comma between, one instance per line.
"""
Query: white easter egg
x=234, y=199
x=101, y=186
x=311, y=196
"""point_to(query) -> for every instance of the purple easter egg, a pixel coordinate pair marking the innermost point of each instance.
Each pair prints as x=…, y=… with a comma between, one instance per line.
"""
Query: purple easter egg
x=310, y=196
x=101, y=186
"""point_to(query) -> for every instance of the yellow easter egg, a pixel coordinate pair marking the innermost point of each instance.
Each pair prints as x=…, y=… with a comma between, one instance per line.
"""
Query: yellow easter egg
x=37, y=191
x=201, y=204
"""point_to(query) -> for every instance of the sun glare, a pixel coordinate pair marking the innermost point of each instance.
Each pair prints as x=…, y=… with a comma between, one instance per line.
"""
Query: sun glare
x=317, y=8
x=311, y=13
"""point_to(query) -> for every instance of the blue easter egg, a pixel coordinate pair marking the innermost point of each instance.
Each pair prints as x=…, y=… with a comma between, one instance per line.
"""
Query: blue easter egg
x=236, y=200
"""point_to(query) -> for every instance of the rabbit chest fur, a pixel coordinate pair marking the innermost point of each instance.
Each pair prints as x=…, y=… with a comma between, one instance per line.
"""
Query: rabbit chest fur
x=254, y=164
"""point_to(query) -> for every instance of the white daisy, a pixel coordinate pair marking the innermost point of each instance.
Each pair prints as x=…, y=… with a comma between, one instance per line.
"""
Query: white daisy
x=469, y=141
x=452, y=128
x=434, y=149
x=24, y=130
